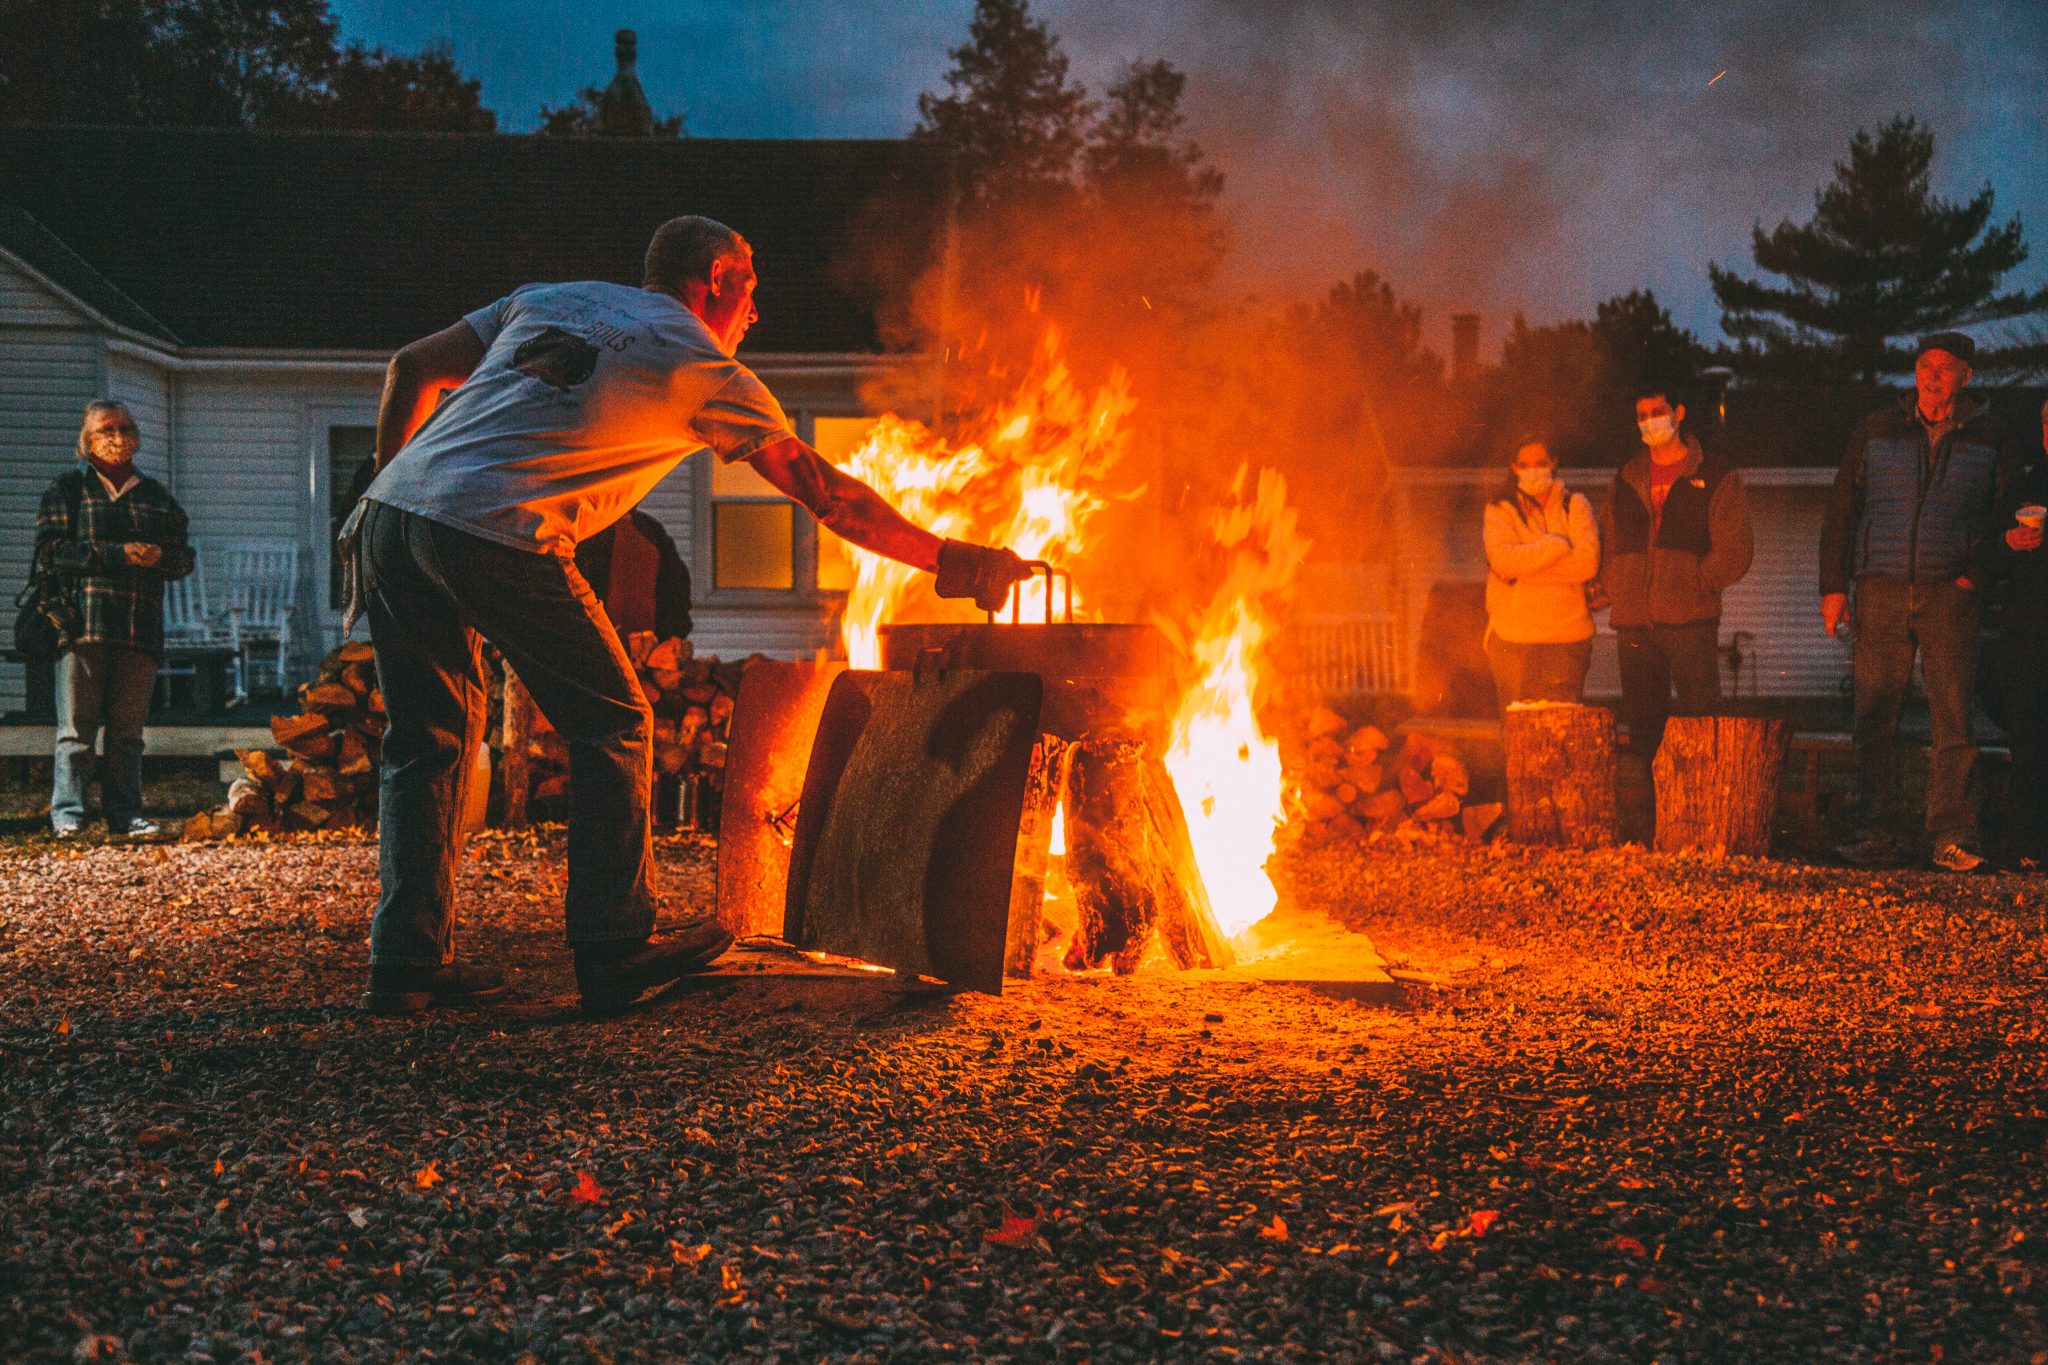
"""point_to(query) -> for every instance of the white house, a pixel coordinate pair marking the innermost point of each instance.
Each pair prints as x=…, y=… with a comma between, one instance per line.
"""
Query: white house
x=241, y=292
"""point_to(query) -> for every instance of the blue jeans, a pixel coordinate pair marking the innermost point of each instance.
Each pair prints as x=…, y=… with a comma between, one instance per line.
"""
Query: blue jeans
x=434, y=594
x=100, y=685
x=1893, y=619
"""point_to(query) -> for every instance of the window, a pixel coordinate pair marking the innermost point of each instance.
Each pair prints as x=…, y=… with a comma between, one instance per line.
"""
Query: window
x=753, y=530
x=351, y=463
x=836, y=438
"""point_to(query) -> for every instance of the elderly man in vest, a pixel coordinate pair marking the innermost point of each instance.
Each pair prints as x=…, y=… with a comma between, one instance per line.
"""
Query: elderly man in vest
x=569, y=403
x=1911, y=524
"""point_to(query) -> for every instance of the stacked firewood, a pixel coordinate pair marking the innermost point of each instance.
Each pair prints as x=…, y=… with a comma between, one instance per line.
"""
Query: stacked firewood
x=326, y=777
x=1350, y=781
x=692, y=699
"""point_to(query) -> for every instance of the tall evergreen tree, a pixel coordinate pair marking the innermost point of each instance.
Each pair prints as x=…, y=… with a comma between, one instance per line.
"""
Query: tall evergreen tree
x=1881, y=258
x=1642, y=345
x=1012, y=122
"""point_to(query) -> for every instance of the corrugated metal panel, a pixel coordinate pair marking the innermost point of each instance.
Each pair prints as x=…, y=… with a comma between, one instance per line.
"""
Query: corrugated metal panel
x=47, y=375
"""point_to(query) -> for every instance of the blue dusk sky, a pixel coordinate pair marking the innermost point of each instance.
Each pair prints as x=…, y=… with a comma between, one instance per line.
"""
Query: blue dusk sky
x=1495, y=155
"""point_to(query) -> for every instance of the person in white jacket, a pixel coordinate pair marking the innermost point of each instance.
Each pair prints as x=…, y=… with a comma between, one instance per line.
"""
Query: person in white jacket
x=1542, y=547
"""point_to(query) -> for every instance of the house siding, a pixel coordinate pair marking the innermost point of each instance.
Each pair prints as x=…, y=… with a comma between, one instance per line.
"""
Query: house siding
x=146, y=389
x=50, y=367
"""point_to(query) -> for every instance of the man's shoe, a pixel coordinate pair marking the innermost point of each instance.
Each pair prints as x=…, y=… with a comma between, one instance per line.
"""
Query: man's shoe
x=67, y=832
x=1956, y=858
x=401, y=988
x=1877, y=849
x=612, y=976
x=136, y=828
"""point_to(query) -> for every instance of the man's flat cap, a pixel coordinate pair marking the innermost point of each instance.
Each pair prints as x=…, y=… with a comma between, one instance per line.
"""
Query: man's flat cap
x=1956, y=344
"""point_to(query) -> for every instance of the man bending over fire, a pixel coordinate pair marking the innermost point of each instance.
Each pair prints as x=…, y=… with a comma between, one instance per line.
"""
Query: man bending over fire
x=569, y=402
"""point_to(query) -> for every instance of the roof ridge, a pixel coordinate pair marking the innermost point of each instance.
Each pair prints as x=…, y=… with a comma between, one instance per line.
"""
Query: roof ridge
x=25, y=236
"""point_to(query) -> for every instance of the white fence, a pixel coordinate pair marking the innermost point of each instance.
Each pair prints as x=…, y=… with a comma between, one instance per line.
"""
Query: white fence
x=1331, y=656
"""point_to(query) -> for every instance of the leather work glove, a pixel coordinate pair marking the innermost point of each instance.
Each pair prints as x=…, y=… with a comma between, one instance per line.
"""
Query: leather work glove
x=981, y=572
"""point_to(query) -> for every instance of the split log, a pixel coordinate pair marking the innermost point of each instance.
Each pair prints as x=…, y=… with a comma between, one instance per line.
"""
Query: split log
x=290, y=730
x=1717, y=782
x=1043, y=788
x=515, y=763
x=1560, y=762
x=1132, y=867
x=329, y=696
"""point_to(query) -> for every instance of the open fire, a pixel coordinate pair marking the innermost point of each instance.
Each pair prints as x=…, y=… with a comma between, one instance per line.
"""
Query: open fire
x=1037, y=479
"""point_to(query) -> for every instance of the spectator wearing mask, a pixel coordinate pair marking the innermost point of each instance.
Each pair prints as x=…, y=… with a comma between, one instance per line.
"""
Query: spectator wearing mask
x=1675, y=537
x=115, y=537
x=1912, y=525
x=1542, y=547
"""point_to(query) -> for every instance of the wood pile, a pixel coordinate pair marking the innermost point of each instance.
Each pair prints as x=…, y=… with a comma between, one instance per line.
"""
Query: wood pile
x=692, y=699
x=1347, y=782
x=327, y=775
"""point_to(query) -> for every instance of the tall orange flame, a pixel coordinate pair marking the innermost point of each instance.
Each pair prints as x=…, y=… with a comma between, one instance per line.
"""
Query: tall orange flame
x=1225, y=768
x=1033, y=482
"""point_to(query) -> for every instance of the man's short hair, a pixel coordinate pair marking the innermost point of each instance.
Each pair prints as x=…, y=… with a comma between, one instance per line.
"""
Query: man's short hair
x=1676, y=392
x=92, y=410
x=683, y=250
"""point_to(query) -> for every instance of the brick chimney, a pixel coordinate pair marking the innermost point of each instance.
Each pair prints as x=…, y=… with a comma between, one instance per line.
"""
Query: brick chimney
x=623, y=110
x=1464, y=347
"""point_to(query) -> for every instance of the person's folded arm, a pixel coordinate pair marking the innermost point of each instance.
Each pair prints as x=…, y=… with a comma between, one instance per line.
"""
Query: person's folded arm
x=1513, y=558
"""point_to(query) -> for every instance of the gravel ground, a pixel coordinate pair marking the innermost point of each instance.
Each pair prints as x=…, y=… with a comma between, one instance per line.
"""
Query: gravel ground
x=1637, y=1108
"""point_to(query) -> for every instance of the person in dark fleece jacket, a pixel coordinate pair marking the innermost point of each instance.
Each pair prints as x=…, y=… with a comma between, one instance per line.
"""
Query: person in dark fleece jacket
x=1912, y=525
x=1675, y=536
x=2022, y=660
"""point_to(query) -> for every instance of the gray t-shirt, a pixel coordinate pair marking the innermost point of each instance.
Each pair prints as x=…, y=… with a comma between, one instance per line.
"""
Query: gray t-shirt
x=587, y=396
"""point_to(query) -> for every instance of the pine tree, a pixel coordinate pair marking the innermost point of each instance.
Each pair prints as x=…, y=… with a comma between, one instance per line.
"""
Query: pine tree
x=1642, y=346
x=1881, y=258
x=1014, y=126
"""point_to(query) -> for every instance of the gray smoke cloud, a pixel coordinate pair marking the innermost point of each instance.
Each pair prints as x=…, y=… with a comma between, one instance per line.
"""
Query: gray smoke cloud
x=1545, y=156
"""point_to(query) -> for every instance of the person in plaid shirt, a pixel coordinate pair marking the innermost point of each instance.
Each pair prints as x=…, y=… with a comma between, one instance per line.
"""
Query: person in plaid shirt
x=126, y=539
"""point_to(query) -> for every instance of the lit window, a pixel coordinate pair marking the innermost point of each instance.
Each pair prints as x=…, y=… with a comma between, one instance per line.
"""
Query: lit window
x=835, y=438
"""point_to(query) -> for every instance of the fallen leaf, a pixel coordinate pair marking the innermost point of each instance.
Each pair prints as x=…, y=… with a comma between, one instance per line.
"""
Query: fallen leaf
x=426, y=1177
x=729, y=1276
x=1481, y=1220
x=1629, y=1245
x=358, y=1219
x=63, y=1028
x=1016, y=1230
x=586, y=1190
x=1275, y=1231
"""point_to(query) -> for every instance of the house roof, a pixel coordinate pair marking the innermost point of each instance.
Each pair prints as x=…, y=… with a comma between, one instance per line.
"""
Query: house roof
x=323, y=241
x=35, y=245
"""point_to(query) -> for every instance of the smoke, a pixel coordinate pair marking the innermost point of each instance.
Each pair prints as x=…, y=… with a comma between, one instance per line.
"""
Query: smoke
x=1545, y=156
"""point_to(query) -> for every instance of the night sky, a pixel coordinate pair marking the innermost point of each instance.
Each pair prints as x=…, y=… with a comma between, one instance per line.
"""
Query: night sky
x=1533, y=155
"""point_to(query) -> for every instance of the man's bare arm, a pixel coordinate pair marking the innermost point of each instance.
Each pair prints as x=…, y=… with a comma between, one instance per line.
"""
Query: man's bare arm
x=845, y=504
x=414, y=379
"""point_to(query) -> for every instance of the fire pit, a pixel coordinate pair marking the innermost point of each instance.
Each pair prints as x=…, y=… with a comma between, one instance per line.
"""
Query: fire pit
x=1099, y=777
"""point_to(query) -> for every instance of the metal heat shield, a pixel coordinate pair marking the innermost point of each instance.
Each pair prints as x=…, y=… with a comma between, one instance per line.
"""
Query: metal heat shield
x=773, y=721
x=906, y=836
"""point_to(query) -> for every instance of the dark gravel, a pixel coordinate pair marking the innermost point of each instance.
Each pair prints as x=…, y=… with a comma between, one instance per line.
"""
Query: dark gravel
x=1658, y=1108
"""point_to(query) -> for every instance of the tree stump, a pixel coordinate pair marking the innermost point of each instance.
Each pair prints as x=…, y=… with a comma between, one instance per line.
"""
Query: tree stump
x=516, y=771
x=1560, y=762
x=1132, y=864
x=1717, y=782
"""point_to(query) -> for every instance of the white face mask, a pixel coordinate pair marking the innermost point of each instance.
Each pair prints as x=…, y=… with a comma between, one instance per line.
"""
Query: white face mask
x=1534, y=482
x=1659, y=430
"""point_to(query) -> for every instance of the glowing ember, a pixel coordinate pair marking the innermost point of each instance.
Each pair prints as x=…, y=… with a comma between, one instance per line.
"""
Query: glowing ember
x=1033, y=484
x=1224, y=768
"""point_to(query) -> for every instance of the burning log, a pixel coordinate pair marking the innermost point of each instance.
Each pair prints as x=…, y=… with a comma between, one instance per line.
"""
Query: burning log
x=1560, y=761
x=327, y=778
x=1717, y=782
x=1131, y=865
